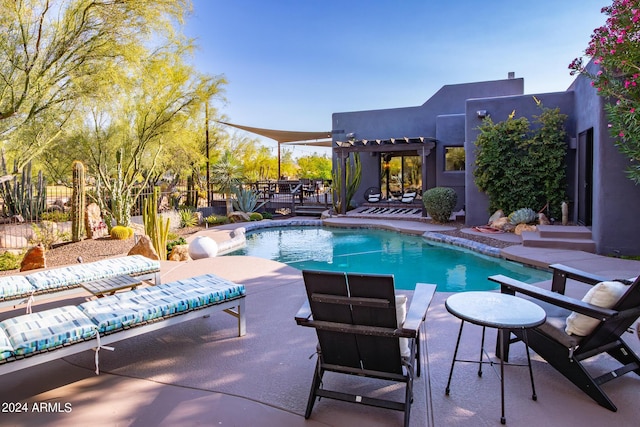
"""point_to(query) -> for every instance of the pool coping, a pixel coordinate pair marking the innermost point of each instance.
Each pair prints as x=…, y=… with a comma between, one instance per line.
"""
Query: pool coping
x=230, y=237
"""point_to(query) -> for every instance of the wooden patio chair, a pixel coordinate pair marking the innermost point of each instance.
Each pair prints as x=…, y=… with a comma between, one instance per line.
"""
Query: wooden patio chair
x=359, y=333
x=566, y=339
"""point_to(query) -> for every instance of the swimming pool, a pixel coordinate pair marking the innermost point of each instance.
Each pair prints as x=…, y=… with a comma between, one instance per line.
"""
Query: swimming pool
x=409, y=258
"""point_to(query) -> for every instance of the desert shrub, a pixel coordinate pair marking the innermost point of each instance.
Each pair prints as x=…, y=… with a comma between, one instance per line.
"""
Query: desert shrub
x=216, y=219
x=255, y=216
x=56, y=216
x=120, y=232
x=176, y=242
x=440, y=202
x=46, y=233
x=188, y=218
x=267, y=215
x=10, y=261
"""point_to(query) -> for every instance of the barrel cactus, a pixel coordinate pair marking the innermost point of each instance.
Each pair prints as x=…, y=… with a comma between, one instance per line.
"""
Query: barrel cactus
x=120, y=232
x=523, y=216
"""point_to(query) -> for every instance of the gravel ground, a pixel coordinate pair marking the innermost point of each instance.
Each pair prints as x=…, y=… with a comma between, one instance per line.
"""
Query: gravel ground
x=93, y=250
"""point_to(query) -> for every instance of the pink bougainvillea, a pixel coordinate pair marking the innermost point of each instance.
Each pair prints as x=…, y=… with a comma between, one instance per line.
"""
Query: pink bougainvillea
x=615, y=49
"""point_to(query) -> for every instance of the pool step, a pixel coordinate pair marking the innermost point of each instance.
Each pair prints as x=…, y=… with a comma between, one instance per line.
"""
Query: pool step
x=560, y=237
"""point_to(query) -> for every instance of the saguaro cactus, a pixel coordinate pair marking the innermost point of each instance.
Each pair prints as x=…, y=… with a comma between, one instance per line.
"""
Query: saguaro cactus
x=154, y=226
x=78, y=202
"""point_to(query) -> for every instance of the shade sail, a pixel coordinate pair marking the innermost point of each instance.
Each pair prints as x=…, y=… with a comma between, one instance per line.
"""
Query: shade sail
x=288, y=136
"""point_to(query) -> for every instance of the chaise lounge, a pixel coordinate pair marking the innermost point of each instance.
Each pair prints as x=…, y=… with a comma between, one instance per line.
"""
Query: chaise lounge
x=36, y=338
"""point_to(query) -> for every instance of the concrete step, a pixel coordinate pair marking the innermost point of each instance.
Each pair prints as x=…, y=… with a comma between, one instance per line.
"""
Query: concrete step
x=310, y=210
x=533, y=239
x=564, y=231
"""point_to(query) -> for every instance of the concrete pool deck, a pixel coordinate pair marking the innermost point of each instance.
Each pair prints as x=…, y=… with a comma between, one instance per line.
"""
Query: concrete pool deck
x=199, y=373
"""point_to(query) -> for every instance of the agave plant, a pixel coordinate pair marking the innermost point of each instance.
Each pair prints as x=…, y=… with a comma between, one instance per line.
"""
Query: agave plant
x=246, y=200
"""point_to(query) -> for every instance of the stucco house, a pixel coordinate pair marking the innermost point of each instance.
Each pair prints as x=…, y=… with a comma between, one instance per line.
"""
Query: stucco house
x=433, y=145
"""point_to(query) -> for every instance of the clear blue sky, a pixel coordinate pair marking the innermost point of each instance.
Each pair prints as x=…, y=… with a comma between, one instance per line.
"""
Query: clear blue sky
x=290, y=64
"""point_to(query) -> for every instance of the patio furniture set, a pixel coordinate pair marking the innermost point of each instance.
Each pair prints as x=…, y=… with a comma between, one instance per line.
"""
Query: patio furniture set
x=363, y=327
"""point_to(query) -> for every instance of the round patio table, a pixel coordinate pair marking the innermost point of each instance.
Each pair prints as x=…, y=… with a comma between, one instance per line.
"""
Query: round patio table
x=503, y=312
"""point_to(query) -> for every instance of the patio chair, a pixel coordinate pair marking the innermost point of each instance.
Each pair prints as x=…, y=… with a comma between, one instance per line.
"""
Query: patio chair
x=408, y=196
x=360, y=333
x=373, y=195
x=566, y=340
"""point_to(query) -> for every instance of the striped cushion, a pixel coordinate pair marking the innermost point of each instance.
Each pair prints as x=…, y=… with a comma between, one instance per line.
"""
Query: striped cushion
x=14, y=286
x=48, y=329
x=144, y=304
x=6, y=349
x=73, y=275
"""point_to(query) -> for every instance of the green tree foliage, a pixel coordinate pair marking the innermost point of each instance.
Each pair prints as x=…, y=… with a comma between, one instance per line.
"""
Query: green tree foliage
x=615, y=49
x=58, y=53
x=315, y=167
x=226, y=174
x=523, y=168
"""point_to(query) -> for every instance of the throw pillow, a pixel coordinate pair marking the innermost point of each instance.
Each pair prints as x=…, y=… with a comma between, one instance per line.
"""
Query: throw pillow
x=401, y=315
x=603, y=294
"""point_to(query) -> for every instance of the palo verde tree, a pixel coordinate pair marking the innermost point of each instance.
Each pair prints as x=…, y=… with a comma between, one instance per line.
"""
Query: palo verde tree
x=150, y=109
x=518, y=166
x=55, y=53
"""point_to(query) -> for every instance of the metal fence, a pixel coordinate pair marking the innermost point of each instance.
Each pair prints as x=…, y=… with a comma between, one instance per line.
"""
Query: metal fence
x=53, y=220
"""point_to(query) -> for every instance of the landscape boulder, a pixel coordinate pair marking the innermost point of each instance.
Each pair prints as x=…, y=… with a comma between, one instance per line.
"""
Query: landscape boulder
x=145, y=248
x=34, y=259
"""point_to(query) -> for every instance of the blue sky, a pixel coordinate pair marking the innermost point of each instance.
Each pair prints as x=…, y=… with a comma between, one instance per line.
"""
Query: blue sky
x=290, y=64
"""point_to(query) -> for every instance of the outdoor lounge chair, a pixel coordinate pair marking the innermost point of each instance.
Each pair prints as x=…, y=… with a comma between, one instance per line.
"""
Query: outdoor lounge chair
x=360, y=334
x=567, y=351
x=373, y=195
x=408, y=196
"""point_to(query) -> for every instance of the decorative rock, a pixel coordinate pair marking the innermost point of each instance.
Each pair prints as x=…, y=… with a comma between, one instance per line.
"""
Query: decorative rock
x=11, y=241
x=496, y=215
x=34, y=258
x=94, y=225
x=203, y=247
x=144, y=247
x=179, y=253
x=524, y=227
x=239, y=217
x=543, y=220
x=500, y=223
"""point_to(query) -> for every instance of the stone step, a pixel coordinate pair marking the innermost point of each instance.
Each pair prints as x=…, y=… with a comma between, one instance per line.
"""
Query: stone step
x=533, y=239
x=564, y=231
x=310, y=210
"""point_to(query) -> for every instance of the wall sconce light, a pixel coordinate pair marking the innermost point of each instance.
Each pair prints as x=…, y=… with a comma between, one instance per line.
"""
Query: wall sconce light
x=482, y=114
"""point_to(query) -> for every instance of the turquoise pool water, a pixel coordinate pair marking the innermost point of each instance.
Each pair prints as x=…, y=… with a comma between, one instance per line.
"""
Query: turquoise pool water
x=410, y=259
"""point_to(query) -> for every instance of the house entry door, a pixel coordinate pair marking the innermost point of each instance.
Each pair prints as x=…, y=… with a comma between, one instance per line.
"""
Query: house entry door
x=585, y=177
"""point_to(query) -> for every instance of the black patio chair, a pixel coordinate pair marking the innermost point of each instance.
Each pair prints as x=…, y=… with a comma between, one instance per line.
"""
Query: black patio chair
x=567, y=352
x=358, y=333
x=373, y=194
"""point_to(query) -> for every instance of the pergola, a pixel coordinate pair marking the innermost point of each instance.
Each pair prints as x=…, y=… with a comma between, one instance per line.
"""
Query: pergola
x=422, y=145
x=317, y=139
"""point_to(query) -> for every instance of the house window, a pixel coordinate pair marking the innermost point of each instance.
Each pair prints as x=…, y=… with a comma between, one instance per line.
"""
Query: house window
x=454, y=159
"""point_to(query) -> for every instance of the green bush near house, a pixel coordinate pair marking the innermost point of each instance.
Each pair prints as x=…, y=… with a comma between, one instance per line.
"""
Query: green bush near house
x=255, y=216
x=439, y=203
